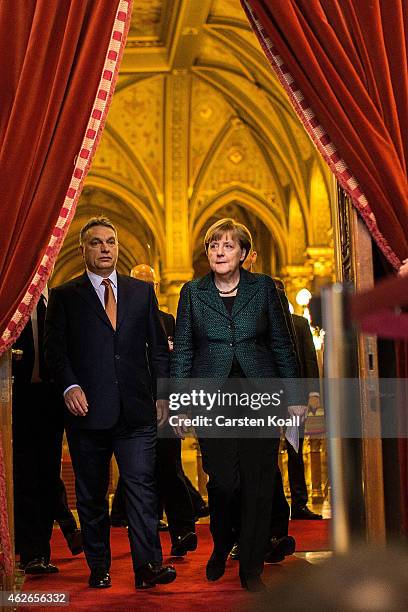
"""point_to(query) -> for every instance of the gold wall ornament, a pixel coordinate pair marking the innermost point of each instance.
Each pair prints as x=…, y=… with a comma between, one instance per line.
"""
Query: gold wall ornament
x=322, y=260
x=198, y=124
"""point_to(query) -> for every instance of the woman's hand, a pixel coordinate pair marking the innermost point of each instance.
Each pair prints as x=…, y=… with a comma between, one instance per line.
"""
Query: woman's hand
x=181, y=428
x=298, y=411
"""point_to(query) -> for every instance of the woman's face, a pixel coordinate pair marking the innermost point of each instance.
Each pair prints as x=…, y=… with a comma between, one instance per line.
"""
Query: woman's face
x=225, y=255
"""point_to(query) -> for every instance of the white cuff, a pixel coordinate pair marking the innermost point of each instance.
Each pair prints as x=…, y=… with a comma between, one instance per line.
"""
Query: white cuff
x=70, y=387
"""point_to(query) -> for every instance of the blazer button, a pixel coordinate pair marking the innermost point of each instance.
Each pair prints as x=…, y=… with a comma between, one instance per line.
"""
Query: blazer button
x=231, y=344
x=117, y=356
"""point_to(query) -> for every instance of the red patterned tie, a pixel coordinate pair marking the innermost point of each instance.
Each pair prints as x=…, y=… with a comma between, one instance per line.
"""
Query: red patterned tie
x=110, y=302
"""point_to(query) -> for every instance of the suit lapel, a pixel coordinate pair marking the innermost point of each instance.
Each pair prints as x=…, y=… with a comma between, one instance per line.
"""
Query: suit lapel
x=87, y=292
x=248, y=286
x=207, y=293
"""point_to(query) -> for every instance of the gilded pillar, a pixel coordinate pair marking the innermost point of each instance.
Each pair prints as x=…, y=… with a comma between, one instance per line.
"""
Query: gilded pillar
x=178, y=247
x=322, y=261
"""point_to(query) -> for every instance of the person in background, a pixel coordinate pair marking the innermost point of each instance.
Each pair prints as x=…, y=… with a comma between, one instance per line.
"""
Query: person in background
x=37, y=445
x=67, y=522
x=173, y=493
x=309, y=370
x=306, y=355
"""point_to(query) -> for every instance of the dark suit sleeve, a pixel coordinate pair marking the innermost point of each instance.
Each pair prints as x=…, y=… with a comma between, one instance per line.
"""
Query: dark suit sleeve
x=158, y=348
x=289, y=323
x=55, y=343
x=307, y=353
x=282, y=346
x=182, y=355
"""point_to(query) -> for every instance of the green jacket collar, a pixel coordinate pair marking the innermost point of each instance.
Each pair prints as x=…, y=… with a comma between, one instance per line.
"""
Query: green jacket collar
x=208, y=293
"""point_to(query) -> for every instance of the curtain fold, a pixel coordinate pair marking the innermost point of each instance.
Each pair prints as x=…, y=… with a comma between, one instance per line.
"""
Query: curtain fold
x=60, y=62
x=344, y=66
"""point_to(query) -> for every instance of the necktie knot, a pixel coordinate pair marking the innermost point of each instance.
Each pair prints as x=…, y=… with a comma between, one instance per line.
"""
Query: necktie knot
x=110, y=302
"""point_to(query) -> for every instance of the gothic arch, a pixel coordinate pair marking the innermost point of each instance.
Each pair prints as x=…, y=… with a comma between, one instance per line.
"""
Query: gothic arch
x=259, y=209
x=134, y=202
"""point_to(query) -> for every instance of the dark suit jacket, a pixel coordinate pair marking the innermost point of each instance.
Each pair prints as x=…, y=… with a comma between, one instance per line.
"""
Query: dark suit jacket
x=207, y=337
x=81, y=347
x=307, y=353
x=23, y=368
x=169, y=323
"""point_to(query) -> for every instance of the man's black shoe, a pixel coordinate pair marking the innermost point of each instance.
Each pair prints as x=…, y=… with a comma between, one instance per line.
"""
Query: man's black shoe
x=201, y=511
x=215, y=567
x=99, y=579
x=147, y=576
x=163, y=526
x=305, y=514
x=183, y=544
x=234, y=554
x=39, y=566
x=279, y=549
x=74, y=541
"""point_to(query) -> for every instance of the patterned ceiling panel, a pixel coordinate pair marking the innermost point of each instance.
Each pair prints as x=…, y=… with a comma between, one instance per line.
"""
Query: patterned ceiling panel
x=147, y=20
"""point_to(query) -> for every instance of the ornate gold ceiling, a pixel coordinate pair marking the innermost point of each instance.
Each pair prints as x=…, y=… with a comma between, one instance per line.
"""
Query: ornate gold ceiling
x=199, y=126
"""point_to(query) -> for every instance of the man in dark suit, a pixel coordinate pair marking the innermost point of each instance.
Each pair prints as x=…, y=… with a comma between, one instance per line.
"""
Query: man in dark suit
x=173, y=492
x=302, y=339
x=309, y=369
x=37, y=444
x=98, y=328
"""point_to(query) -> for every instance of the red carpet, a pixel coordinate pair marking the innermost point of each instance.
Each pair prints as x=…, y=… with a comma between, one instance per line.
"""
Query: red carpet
x=189, y=591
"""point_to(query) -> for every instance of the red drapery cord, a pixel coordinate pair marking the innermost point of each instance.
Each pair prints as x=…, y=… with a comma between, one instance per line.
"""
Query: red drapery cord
x=343, y=64
x=59, y=67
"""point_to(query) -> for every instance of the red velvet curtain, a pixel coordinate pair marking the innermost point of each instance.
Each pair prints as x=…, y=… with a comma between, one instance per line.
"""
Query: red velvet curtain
x=343, y=63
x=59, y=63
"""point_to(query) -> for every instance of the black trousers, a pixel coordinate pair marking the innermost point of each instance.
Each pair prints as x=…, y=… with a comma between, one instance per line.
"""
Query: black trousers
x=63, y=515
x=173, y=490
x=135, y=452
x=279, y=526
x=241, y=475
x=174, y=495
x=196, y=499
x=296, y=472
x=37, y=446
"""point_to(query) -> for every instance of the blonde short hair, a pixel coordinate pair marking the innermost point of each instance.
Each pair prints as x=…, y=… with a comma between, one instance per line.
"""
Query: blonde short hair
x=237, y=230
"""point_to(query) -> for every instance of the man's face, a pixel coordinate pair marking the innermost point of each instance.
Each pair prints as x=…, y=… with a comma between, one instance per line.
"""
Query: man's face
x=225, y=255
x=100, y=250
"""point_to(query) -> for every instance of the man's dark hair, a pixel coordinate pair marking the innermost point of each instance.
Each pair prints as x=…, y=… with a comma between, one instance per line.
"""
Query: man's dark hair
x=94, y=221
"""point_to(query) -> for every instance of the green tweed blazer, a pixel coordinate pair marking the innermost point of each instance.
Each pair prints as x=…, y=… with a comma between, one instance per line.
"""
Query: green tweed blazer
x=207, y=337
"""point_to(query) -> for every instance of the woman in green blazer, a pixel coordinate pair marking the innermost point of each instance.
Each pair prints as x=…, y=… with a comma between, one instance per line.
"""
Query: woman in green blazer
x=230, y=325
